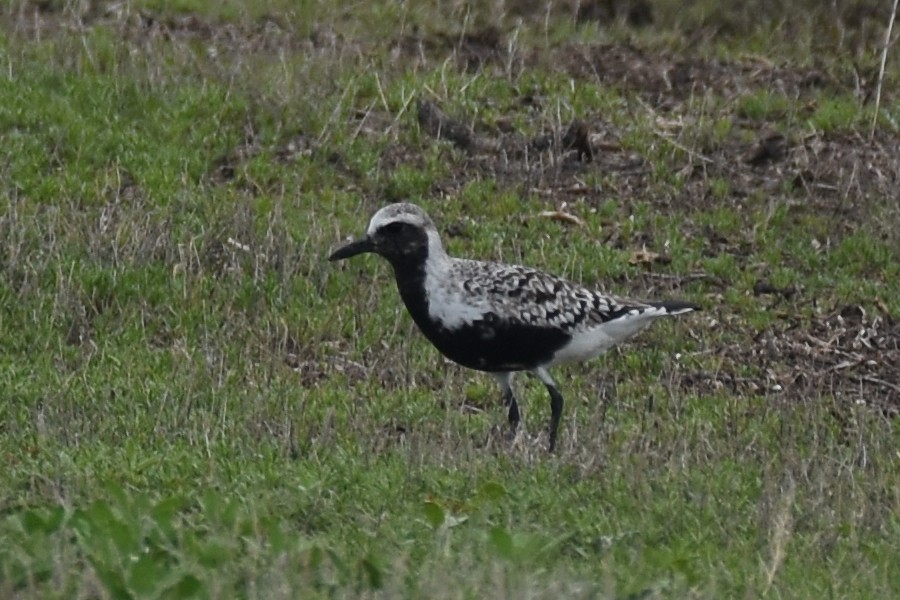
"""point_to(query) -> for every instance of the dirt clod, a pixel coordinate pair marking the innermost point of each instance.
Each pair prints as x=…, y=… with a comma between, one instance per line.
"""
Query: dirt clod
x=437, y=124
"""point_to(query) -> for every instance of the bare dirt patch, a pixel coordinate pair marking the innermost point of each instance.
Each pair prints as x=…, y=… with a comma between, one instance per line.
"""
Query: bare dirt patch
x=664, y=80
x=847, y=354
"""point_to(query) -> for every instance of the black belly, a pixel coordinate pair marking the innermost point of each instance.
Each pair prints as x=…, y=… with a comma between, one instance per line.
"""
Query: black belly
x=489, y=344
x=494, y=346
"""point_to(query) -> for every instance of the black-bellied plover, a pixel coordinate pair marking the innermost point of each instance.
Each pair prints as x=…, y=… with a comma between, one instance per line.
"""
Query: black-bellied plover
x=496, y=317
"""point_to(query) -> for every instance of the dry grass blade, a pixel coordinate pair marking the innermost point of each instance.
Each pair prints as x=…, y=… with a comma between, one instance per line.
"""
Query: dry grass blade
x=562, y=217
x=884, y=52
x=779, y=534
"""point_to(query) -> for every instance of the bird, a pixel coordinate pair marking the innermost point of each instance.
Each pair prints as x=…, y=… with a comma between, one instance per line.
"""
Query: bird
x=499, y=318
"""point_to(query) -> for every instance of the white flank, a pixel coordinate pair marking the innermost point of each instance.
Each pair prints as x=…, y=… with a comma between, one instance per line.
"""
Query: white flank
x=448, y=302
x=590, y=343
x=450, y=306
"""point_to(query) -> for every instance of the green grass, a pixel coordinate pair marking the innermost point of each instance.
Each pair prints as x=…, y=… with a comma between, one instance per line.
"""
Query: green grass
x=196, y=404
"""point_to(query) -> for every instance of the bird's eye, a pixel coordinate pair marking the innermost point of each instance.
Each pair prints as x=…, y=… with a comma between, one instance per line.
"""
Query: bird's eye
x=393, y=228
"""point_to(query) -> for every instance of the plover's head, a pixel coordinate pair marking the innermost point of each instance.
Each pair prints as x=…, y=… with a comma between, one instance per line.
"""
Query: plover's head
x=402, y=233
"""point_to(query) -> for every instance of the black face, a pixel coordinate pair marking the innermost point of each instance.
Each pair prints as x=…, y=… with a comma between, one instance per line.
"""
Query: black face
x=398, y=242
x=401, y=241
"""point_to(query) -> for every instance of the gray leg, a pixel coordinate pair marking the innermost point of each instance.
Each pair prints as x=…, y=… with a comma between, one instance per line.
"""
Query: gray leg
x=556, y=403
x=505, y=381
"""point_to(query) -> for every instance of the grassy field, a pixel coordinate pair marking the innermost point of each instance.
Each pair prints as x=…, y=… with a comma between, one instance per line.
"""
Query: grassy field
x=194, y=403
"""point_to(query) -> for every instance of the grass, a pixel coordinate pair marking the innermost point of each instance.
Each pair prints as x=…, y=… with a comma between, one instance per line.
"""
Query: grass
x=197, y=404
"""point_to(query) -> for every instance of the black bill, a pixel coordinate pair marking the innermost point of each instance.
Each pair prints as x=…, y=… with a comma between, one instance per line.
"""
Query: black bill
x=352, y=249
